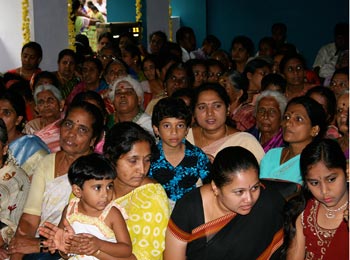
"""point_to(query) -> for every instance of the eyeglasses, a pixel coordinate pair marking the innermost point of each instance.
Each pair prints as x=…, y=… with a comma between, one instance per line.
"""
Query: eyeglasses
x=270, y=112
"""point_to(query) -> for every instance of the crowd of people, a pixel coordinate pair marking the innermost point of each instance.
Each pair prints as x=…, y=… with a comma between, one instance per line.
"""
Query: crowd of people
x=176, y=152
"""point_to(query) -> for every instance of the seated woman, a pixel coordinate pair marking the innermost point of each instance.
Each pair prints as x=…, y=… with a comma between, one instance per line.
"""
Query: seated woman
x=126, y=94
x=50, y=189
x=242, y=47
x=233, y=217
x=49, y=105
x=303, y=121
x=293, y=68
x=152, y=85
x=241, y=112
x=31, y=55
x=66, y=71
x=342, y=118
x=91, y=79
x=254, y=71
x=28, y=150
x=326, y=98
x=269, y=110
x=14, y=187
x=321, y=231
x=214, y=130
x=130, y=148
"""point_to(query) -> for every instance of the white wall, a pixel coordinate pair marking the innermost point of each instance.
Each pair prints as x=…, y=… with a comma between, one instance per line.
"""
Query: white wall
x=48, y=27
x=11, y=40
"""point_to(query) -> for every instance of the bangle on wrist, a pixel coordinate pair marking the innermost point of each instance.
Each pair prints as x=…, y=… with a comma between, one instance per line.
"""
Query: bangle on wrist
x=63, y=255
x=97, y=253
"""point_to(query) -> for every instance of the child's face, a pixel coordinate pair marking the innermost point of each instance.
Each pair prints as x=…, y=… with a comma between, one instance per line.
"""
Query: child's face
x=327, y=185
x=171, y=131
x=95, y=195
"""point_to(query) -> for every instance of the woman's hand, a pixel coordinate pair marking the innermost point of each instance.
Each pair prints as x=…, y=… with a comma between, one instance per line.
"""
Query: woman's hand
x=23, y=245
x=56, y=237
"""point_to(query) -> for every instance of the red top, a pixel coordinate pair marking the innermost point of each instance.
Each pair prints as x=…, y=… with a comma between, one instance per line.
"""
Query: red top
x=321, y=243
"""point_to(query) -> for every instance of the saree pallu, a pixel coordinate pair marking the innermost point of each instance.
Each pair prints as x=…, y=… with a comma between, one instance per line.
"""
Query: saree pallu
x=257, y=235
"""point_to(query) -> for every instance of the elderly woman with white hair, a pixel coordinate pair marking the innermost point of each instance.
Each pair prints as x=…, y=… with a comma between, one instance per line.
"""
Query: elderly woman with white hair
x=49, y=105
x=269, y=109
x=126, y=94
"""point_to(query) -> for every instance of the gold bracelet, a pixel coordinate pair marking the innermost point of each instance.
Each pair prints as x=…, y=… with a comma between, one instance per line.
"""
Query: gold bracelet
x=97, y=253
x=62, y=254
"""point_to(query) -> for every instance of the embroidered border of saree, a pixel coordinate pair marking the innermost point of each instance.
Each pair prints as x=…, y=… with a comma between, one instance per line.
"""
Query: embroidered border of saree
x=276, y=243
x=203, y=230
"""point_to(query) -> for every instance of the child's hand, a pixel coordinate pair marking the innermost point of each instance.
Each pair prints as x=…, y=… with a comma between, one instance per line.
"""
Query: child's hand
x=83, y=244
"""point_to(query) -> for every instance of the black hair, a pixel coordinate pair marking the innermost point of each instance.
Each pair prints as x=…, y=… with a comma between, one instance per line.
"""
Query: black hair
x=34, y=46
x=171, y=107
x=17, y=102
x=269, y=41
x=48, y=75
x=121, y=138
x=341, y=29
x=134, y=52
x=220, y=91
x=246, y=43
x=107, y=35
x=160, y=34
x=314, y=111
x=97, y=63
x=239, y=82
x=90, y=167
x=67, y=52
x=182, y=31
x=180, y=66
x=3, y=137
x=290, y=56
x=216, y=87
x=274, y=79
x=183, y=92
x=153, y=58
x=324, y=150
x=281, y=26
x=95, y=113
x=255, y=64
x=212, y=62
x=22, y=87
x=3, y=132
x=91, y=95
x=224, y=167
x=344, y=71
x=213, y=40
x=329, y=96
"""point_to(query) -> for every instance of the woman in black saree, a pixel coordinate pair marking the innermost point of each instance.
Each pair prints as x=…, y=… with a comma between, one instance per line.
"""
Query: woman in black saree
x=233, y=217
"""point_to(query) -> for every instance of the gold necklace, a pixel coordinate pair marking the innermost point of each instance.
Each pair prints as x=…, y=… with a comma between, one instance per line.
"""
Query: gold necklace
x=332, y=212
